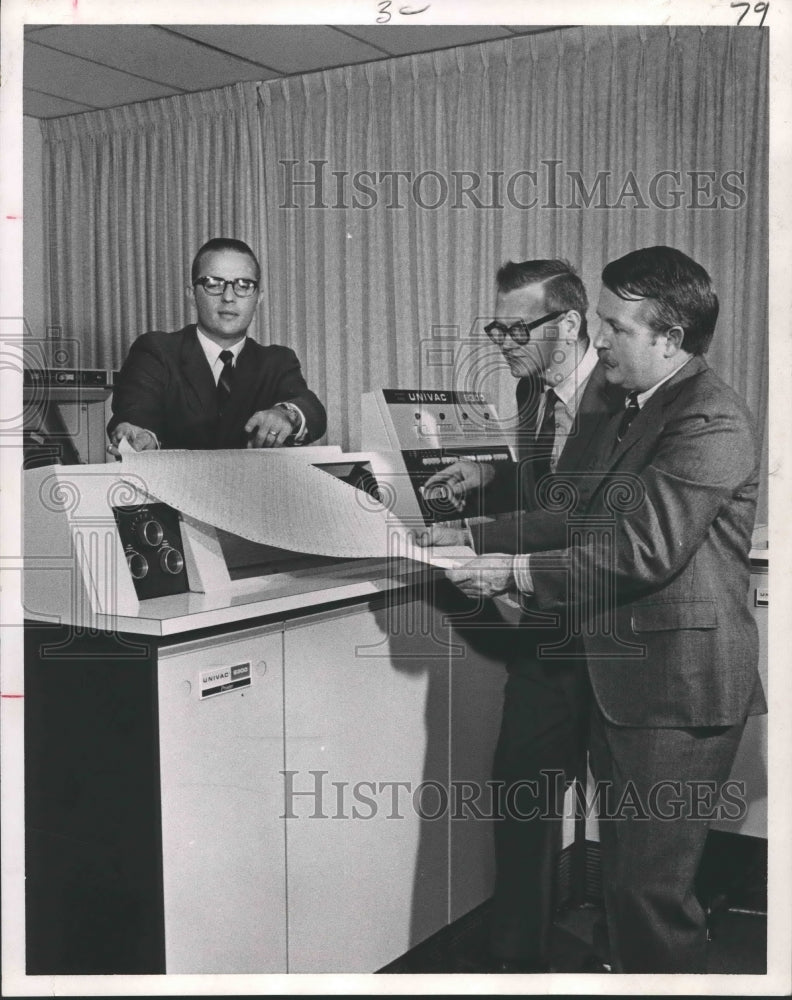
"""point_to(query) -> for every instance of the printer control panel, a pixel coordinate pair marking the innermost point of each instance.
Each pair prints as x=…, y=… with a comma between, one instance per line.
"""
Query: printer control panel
x=151, y=536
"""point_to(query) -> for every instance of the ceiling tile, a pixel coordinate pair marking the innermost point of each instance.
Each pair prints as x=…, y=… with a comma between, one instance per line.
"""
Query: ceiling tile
x=534, y=29
x=292, y=48
x=152, y=53
x=48, y=106
x=401, y=40
x=76, y=79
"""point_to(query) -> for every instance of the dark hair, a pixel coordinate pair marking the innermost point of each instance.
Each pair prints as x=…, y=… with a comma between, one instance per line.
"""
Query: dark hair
x=680, y=291
x=222, y=243
x=562, y=287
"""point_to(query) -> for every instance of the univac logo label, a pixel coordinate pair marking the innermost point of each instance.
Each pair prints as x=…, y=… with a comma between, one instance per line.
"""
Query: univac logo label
x=220, y=680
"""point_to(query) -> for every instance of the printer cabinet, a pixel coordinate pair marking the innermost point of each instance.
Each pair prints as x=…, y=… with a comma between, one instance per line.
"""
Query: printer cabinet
x=154, y=837
x=366, y=702
x=166, y=820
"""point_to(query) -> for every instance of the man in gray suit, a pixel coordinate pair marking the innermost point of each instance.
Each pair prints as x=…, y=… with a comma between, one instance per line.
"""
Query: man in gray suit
x=564, y=402
x=658, y=579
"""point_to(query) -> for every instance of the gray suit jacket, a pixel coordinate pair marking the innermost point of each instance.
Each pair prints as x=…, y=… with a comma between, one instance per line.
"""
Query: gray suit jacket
x=659, y=567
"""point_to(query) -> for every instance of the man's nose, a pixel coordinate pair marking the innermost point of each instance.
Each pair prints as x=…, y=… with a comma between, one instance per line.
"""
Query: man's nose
x=601, y=339
x=228, y=292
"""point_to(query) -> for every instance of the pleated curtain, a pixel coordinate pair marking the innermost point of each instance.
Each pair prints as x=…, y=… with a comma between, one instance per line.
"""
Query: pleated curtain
x=383, y=197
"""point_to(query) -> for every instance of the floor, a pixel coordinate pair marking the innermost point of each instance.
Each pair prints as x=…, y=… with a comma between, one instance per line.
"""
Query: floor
x=731, y=885
x=737, y=944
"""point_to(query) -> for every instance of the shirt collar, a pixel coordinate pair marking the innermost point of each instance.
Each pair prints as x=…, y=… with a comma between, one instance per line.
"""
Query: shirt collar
x=569, y=388
x=643, y=397
x=212, y=350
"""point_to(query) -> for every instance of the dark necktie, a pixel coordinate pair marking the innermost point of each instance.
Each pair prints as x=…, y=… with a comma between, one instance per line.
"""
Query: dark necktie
x=225, y=381
x=628, y=416
x=529, y=396
x=545, y=439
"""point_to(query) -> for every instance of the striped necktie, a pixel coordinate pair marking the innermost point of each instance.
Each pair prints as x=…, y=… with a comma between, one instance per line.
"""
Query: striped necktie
x=629, y=415
x=225, y=381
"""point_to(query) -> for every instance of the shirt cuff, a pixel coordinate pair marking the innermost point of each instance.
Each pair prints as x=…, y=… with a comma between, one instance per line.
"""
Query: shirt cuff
x=300, y=427
x=523, y=578
x=469, y=540
x=156, y=439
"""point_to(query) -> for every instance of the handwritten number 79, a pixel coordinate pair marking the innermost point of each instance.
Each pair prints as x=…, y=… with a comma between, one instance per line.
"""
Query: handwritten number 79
x=759, y=8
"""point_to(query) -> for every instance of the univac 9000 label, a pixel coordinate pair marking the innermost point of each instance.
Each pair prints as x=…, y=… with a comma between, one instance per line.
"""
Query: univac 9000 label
x=220, y=680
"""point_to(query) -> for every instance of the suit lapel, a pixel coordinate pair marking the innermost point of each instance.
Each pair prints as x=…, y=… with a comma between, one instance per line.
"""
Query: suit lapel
x=600, y=401
x=529, y=393
x=649, y=419
x=197, y=373
x=648, y=423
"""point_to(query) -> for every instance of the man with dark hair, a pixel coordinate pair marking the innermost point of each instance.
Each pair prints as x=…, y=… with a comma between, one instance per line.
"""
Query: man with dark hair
x=564, y=401
x=655, y=565
x=209, y=385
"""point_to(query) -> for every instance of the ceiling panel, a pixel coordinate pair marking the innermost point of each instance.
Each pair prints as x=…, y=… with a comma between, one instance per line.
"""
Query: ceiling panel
x=401, y=40
x=150, y=52
x=48, y=106
x=289, y=48
x=74, y=68
x=52, y=72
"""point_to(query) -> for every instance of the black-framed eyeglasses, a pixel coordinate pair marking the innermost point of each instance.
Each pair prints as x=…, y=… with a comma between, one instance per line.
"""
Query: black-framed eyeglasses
x=520, y=332
x=217, y=286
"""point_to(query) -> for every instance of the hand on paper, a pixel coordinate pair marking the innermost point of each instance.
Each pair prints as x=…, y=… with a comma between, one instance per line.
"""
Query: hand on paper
x=485, y=576
x=137, y=438
x=269, y=429
x=440, y=534
x=456, y=481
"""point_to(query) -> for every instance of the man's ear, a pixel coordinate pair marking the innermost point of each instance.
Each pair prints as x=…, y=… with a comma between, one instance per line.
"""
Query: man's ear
x=570, y=325
x=674, y=336
x=190, y=293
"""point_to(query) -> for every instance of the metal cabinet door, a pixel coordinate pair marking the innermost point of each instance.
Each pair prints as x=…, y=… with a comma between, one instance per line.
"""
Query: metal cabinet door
x=221, y=755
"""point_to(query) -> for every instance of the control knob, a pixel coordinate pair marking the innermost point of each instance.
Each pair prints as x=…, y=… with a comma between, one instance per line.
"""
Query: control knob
x=150, y=532
x=171, y=560
x=138, y=564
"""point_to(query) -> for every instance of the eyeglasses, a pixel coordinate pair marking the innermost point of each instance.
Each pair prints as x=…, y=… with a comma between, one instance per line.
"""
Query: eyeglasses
x=520, y=332
x=217, y=286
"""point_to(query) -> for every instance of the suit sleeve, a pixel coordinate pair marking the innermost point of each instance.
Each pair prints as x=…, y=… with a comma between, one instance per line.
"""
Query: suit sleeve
x=520, y=532
x=142, y=388
x=291, y=387
x=661, y=515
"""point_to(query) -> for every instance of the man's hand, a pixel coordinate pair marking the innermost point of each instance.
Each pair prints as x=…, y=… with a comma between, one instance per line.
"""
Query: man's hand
x=456, y=481
x=138, y=438
x=269, y=428
x=439, y=534
x=484, y=576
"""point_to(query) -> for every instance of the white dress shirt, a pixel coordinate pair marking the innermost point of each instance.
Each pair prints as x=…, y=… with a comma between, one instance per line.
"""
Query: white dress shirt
x=212, y=352
x=569, y=391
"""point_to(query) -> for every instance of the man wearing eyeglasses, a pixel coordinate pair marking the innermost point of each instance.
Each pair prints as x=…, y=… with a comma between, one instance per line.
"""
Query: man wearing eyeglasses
x=656, y=577
x=563, y=401
x=541, y=330
x=210, y=385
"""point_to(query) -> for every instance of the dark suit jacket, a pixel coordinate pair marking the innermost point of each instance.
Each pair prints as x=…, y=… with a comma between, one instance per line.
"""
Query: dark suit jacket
x=531, y=527
x=167, y=386
x=669, y=638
